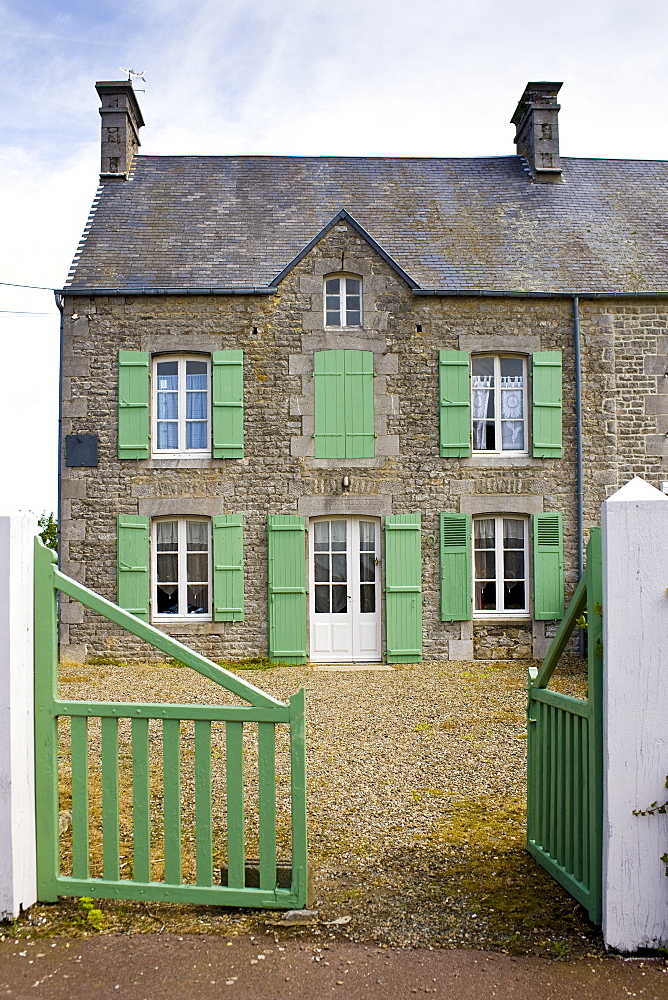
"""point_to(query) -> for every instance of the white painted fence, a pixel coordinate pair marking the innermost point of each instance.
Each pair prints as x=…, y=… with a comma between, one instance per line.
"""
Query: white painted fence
x=17, y=781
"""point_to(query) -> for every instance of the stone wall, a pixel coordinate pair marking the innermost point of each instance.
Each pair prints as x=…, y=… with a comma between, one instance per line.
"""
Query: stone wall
x=624, y=358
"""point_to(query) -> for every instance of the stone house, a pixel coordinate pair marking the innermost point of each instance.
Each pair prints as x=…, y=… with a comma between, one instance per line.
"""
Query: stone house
x=355, y=408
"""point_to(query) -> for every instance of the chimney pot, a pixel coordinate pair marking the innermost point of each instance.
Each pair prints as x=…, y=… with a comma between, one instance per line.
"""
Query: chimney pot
x=121, y=121
x=537, y=131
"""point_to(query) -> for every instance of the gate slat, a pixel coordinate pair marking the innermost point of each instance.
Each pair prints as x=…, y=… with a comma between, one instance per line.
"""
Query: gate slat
x=80, y=835
x=236, y=853
x=171, y=770
x=141, y=801
x=110, y=818
x=267, y=804
x=203, y=819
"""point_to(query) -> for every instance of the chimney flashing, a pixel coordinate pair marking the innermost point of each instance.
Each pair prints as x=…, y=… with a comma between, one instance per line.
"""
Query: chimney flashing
x=537, y=131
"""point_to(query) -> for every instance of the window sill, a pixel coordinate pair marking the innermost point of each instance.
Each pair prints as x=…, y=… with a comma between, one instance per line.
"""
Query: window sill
x=182, y=627
x=181, y=462
x=508, y=619
x=500, y=461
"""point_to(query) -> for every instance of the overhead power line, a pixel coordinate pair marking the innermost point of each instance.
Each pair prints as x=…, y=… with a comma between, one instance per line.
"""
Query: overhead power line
x=39, y=288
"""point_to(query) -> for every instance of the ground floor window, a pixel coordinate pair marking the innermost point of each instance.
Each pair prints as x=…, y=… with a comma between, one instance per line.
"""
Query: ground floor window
x=500, y=565
x=181, y=568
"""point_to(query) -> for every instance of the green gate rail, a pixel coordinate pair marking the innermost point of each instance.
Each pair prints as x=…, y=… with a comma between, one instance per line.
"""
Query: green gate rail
x=263, y=711
x=565, y=754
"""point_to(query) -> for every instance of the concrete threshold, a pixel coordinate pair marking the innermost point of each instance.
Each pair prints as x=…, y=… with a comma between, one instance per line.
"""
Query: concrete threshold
x=350, y=667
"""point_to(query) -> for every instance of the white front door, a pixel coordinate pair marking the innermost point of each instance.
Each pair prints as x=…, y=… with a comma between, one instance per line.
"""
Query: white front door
x=345, y=589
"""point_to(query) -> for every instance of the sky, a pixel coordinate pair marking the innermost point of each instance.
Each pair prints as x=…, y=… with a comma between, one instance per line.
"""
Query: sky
x=289, y=77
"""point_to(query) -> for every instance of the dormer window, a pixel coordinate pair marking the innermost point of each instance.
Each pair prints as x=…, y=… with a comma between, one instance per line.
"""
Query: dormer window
x=343, y=300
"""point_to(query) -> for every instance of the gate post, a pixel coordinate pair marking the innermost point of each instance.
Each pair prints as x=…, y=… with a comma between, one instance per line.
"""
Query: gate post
x=635, y=716
x=17, y=772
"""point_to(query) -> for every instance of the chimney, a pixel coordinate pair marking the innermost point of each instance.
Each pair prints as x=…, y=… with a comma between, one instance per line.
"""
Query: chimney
x=121, y=121
x=537, y=131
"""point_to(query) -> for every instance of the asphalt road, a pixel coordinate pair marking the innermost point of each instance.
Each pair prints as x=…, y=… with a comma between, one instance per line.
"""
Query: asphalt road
x=152, y=967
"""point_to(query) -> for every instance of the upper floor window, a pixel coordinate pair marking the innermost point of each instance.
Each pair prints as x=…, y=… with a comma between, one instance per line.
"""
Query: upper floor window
x=498, y=404
x=182, y=405
x=343, y=301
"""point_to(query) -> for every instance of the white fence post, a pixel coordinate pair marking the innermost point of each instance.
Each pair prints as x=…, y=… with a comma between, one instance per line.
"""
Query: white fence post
x=635, y=716
x=17, y=778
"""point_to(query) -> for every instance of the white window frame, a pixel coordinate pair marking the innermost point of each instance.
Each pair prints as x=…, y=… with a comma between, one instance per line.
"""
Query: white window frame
x=182, y=582
x=181, y=360
x=342, y=294
x=498, y=419
x=499, y=611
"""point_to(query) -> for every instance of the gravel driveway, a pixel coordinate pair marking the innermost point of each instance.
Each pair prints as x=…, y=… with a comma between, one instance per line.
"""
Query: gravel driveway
x=416, y=804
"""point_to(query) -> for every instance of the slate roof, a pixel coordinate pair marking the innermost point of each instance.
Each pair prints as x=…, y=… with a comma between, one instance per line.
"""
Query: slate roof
x=223, y=222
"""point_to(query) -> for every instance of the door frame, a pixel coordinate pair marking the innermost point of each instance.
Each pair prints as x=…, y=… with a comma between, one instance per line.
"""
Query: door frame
x=349, y=517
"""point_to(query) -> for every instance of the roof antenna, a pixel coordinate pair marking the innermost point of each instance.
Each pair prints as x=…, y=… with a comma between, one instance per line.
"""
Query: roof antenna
x=132, y=72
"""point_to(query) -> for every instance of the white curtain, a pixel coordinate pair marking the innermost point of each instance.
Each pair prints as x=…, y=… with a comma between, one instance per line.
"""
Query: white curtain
x=482, y=385
x=512, y=413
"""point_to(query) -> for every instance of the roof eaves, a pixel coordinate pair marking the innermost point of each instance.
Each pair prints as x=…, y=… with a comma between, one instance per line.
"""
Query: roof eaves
x=344, y=216
x=166, y=290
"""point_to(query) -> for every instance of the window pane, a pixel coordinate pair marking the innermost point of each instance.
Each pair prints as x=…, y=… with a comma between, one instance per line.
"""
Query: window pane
x=513, y=533
x=197, y=535
x=195, y=405
x=353, y=287
x=167, y=600
x=485, y=565
x=512, y=435
x=367, y=536
x=198, y=599
x=483, y=531
x=339, y=599
x=167, y=567
x=513, y=565
x=512, y=368
x=332, y=286
x=353, y=317
x=196, y=434
x=339, y=569
x=321, y=535
x=485, y=597
x=168, y=436
x=514, y=599
x=166, y=536
x=333, y=318
x=338, y=535
x=483, y=367
x=198, y=567
x=321, y=567
x=367, y=567
x=168, y=406
x=196, y=374
x=168, y=374
x=322, y=600
x=367, y=599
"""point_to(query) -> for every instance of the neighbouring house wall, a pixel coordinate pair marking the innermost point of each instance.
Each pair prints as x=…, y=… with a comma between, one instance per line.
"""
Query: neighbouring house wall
x=622, y=345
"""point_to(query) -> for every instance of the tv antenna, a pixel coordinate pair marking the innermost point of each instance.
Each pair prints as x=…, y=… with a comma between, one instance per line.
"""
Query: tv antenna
x=132, y=72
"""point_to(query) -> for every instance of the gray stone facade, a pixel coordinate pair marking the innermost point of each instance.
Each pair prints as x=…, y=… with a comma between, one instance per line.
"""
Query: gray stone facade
x=624, y=345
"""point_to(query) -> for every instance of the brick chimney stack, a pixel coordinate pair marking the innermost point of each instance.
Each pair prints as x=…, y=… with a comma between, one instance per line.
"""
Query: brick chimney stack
x=121, y=121
x=537, y=131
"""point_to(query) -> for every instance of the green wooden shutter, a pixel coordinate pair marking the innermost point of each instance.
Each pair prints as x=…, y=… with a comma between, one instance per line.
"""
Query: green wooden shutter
x=228, y=404
x=330, y=415
x=344, y=411
x=360, y=439
x=456, y=568
x=287, y=588
x=546, y=377
x=228, y=568
x=132, y=564
x=133, y=395
x=403, y=588
x=455, y=403
x=548, y=566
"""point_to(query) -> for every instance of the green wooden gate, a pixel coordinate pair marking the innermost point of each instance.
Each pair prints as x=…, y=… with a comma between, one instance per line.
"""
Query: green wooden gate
x=185, y=736
x=565, y=755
